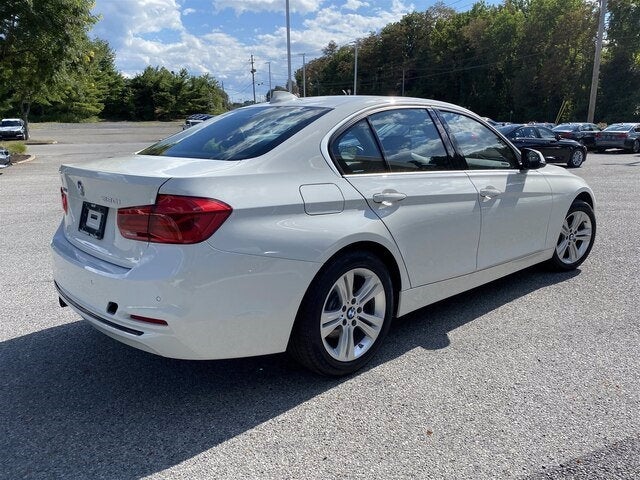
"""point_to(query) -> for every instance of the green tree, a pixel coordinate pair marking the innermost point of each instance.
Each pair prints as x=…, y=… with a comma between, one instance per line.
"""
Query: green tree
x=619, y=98
x=39, y=40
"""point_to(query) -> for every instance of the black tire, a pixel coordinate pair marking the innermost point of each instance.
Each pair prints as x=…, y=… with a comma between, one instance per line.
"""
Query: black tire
x=307, y=344
x=636, y=146
x=576, y=237
x=576, y=158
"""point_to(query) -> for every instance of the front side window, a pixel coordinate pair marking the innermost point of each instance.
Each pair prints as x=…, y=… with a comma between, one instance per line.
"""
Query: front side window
x=480, y=147
x=410, y=140
x=239, y=134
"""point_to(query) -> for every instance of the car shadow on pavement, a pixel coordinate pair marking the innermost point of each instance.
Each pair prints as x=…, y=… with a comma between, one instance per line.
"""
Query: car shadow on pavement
x=77, y=404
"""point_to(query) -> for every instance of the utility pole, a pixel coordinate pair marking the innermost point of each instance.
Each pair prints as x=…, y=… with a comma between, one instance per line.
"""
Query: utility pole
x=289, y=85
x=355, y=70
x=596, y=63
x=253, y=79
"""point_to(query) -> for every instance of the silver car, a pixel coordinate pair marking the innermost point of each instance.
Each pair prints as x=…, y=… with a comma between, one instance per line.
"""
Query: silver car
x=306, y=226
x=5, y=158
x=625, y=136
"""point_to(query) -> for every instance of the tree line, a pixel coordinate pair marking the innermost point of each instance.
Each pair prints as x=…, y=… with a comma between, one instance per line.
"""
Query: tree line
x=50, y=69
x=519, y=60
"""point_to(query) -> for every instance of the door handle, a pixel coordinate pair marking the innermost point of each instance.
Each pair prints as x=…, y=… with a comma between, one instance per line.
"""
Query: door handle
x=388, y=197
x=489, y=192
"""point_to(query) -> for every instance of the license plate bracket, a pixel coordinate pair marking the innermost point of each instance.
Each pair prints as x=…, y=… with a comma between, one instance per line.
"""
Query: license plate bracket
x=93, y=219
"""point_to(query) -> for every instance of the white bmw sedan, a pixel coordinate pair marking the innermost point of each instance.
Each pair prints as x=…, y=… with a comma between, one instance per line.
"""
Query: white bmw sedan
x=307, y=225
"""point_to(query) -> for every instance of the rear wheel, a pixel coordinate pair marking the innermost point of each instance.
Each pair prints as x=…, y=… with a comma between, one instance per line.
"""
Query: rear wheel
x=576, y=158
x=636, y=146
x=344, y=315
x=576, y=237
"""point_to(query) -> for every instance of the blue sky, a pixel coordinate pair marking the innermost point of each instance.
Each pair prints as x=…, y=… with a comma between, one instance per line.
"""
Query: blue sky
x=219, y=36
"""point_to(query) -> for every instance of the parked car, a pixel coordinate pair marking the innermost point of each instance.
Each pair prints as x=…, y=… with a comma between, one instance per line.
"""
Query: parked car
x=620, y=135
x=585, y=133
x=12, y=128
x=548, y=125
x=5, y=158
x=305, y=225
x=554, y=148
x=195, y=119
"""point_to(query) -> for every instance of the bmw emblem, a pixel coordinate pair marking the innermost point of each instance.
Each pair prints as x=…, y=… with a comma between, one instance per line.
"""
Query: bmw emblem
x=80, y=188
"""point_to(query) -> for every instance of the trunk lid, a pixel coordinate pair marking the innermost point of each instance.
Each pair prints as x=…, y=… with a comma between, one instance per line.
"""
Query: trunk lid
x=96, y=190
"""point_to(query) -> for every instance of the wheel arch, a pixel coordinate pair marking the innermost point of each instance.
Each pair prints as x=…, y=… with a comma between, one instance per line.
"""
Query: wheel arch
x=377, y=249
x=587, y=198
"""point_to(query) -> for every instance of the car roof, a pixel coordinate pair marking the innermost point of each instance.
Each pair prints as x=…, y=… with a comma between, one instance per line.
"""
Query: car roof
x=356, y=103
x=11, y=120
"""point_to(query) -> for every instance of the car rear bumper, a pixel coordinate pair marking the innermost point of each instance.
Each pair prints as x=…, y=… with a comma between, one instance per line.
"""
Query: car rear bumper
x=614, y=144
x=215, y=304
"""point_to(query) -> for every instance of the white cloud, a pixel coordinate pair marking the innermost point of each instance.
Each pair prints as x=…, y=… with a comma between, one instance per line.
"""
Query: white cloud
x=242, y=6
x=122, y=19
x=188, y=11
x=354, y=5
x=127, y=25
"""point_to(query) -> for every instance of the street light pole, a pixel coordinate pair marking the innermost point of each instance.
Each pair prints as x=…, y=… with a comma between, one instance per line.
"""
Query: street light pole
x=253, y=80
x=596, y=63
x=289, y=85
x=304, y=74
x=269, y=63
x=355, y=70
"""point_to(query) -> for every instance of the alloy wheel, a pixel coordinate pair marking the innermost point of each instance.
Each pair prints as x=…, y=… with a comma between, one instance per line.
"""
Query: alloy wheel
x=575, y=237
x=353, y=314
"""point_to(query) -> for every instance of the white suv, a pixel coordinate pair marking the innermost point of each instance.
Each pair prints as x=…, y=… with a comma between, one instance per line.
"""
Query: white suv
x=12, y=128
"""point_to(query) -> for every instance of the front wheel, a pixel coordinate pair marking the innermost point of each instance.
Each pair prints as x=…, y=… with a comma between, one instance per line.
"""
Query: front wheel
x=344, y=315
x=636, y=146
x=576, y=237
x=576, y=158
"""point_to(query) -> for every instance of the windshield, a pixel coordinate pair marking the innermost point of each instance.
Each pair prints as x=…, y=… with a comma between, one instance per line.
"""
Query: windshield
x=238, y=135
x=11, y=123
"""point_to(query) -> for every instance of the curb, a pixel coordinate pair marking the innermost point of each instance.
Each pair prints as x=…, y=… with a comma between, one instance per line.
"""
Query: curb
x=28, y=159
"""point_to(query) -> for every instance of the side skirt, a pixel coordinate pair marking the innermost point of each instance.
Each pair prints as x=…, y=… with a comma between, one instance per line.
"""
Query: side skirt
x=419, y=297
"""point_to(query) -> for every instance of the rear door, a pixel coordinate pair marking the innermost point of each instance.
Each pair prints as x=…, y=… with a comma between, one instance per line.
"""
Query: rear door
x=397, y=160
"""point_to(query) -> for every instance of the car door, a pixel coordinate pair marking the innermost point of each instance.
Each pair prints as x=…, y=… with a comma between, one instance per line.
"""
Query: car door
x=515, y=204
x=397, y=160
x=527, y=136
x=555, y=150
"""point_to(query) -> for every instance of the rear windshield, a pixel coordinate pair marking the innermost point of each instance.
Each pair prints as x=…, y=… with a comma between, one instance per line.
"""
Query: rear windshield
x=238, y=135
x=620, y=127
x=566, y=127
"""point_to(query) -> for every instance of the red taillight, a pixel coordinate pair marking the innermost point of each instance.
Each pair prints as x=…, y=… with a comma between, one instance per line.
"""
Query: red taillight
x=155, y=321
x=65, y=201
x=598, y=135
x=173, y=219
x=622, y=135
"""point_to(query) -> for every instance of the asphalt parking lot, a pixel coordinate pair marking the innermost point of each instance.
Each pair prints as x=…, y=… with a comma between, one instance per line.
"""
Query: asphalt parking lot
x=534, y=376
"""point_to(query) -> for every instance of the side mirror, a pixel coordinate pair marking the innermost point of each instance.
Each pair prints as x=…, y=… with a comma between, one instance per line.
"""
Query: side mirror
x=531, y=159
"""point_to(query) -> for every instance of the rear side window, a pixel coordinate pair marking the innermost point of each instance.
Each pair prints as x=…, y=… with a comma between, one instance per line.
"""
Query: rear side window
x=356, y=151
x=238, y=135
